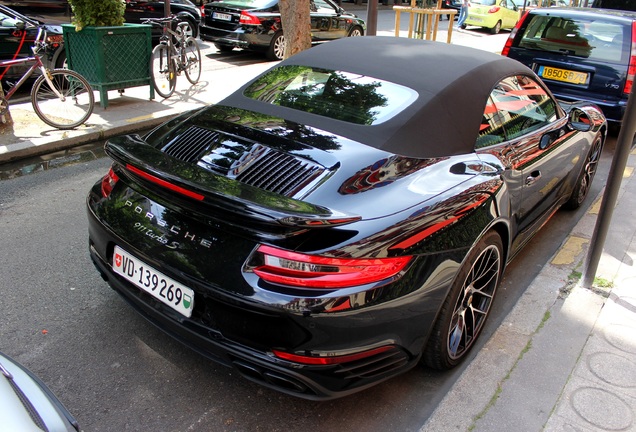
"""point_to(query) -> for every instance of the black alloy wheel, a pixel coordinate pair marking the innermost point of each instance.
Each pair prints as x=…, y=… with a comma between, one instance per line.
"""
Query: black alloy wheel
x=584, y=182
x=467, y=305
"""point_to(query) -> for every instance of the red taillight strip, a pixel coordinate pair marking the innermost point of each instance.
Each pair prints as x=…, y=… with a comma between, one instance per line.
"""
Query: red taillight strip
x=311, y=271
x=631, y=69
x=165, y=184
x=513, y=34
x=108, y=183
x=312, y=360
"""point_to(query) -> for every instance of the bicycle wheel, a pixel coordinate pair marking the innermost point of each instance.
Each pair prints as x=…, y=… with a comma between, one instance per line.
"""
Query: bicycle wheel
x=192, y=60
x=66, y=104
x=163, y=71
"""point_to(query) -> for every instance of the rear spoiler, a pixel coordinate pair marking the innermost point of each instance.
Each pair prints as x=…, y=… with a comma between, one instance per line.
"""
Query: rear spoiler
x=143, y=161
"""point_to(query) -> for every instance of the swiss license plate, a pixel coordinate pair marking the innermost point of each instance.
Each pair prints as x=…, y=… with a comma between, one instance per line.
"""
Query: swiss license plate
x=221, y=16
x=564, y=75
x=160, y=286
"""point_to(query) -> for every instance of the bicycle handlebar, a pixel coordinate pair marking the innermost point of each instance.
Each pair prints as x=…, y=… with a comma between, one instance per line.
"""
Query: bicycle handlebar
x=40, y=41
x=160, y=21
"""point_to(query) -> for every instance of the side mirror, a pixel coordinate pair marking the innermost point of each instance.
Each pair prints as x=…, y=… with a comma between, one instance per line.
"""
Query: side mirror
x=20, y=25
x=545, y=142
x=579, y=120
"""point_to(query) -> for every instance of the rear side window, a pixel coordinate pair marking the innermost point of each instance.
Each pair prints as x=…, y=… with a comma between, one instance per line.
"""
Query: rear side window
x=595, y=39
x=340, y=95
x=518, y=105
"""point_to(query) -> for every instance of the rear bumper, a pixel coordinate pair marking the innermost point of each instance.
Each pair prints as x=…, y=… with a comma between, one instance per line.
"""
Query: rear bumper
x=308, y=382
x=237, y=333
x=237, y=38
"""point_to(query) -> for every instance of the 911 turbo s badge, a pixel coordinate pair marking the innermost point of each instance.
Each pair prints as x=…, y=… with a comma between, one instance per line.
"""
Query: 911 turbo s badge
x=172, y=231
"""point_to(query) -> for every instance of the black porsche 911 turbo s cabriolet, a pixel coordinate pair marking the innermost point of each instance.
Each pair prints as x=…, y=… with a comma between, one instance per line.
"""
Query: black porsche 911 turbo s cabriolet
x=336, y=220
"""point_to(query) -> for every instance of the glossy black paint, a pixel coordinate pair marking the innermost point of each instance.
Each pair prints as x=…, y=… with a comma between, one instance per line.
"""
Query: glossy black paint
x=325, y=25
x=383, y=204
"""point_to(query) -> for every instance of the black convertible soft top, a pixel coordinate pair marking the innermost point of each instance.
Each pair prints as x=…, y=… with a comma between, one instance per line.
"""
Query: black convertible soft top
x=453, y=83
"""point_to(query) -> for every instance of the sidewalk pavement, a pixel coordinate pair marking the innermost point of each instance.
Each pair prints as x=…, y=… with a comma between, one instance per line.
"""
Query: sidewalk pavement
x=564, y=358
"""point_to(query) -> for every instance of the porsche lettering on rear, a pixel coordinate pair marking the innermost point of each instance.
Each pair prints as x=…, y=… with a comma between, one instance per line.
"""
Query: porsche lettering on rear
x=174, y=231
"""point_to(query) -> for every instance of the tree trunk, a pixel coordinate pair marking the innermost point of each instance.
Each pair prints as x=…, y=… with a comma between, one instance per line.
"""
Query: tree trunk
x=6, y=122
x=297, y=25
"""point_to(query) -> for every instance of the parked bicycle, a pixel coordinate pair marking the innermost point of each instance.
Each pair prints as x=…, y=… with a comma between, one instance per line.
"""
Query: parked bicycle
x=61, y=98
x=176, y=52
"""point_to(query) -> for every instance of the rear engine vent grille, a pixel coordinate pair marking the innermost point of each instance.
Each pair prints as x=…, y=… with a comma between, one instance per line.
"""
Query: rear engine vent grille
x=252, y=164
x=191, y=145
x=274, y=171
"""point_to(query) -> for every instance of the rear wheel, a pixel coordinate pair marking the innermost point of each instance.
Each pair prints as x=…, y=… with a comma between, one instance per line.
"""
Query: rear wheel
x=276, y=49
x=163, y=71
x=192, y=60
x=65, y=103
x=60, y=62
x=584, y=182
x=356, y=31
x=188, y=27
x=497, y=28
x=467, y=306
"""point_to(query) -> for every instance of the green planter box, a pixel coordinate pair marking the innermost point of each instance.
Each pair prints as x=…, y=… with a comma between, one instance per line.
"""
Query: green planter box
x=110, y=58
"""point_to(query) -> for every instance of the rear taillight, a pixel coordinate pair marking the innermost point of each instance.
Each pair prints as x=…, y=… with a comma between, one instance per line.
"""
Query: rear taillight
x=329, y=360
x=202, y=11
x=312, y=271
x=494, y=9
x=108, y=183
x=55, y=39
x=513, y=34
x=247, y=18
x=631, y=70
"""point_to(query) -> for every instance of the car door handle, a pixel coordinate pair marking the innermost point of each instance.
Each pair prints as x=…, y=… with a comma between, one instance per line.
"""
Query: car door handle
x=533, y=177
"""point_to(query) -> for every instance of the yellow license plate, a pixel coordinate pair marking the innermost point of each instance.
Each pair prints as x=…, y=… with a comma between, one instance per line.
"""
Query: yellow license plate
x=564, y=75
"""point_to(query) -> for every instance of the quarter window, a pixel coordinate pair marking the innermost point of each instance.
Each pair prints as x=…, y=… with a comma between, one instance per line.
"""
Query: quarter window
x=517, y=106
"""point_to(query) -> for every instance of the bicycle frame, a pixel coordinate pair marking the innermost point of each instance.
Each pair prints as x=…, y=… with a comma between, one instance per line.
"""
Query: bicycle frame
x=37, y=64
x=167, y=36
